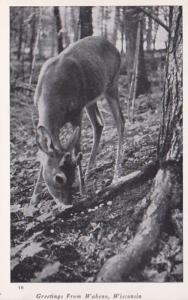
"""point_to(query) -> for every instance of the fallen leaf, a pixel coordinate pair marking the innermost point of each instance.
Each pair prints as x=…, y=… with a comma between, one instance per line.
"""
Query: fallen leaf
x=31, y=250
x=15, y=208
x=44, y=217
x=48, y=270
x=16, y=249
x=14, y=262
x=28, y=210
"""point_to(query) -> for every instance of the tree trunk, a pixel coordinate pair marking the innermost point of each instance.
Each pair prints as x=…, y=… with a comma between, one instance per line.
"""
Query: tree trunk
x=74, y=22
x=102, y=20
x=33, y=34
x=86, y=27
x=58, y=29
x=134, y=82
x=155, y=27
x=149, y=34
x=138, y=84
x=106, y=15
x=170, y=142
x=143, y=83
x=131, y=28
x=116, y=24
x=20, y=40
x=166, y=191
x=53, y=43
x=66, y=37
x=35, y=47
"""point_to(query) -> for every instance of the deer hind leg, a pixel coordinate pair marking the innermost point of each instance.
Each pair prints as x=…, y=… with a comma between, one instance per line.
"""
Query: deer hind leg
x=113, y=99
x=97, y=124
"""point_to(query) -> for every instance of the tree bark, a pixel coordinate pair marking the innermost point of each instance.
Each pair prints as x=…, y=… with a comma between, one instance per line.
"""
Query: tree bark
x=170, y=142
x=167, y=186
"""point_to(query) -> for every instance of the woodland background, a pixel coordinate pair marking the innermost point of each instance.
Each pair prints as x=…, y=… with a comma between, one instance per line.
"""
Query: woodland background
x=138, y=223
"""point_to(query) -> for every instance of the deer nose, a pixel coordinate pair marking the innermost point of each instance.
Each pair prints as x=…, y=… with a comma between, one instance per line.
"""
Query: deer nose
x=60, y=178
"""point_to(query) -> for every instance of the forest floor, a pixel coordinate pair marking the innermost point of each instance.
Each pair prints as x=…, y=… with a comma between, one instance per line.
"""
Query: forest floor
x=73, y=249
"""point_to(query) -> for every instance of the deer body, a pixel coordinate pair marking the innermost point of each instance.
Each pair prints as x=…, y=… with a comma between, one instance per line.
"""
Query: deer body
x=67, y=83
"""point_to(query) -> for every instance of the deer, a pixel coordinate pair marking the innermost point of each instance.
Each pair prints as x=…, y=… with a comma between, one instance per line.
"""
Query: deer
x=69, y=83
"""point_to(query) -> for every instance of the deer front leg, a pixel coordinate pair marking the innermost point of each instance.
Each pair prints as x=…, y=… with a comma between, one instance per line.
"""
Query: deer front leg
x=97, y=124
x=35, y=196
x=77, y=151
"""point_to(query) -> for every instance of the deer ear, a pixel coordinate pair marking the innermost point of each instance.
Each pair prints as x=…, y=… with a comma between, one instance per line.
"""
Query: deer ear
x=44, y=140
x=74, y=139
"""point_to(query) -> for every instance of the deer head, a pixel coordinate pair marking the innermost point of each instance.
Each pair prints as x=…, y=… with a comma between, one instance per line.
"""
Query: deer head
x=59, y=165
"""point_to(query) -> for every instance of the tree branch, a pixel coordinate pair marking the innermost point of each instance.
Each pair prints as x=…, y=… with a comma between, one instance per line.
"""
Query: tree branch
x=155, y=18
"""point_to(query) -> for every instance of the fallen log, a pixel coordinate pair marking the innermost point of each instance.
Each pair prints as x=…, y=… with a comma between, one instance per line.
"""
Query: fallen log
x=124, y=183
x=164, y=195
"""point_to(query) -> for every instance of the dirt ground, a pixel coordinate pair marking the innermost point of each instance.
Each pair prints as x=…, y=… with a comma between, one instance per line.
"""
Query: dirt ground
x=73, y=249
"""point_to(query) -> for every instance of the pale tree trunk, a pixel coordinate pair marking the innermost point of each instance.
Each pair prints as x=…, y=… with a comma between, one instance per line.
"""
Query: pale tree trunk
x=102, y=20
x=35, y=47
x=33, y=34
x=131, y=25
x=53, y=43
x=116, y=24
x=166, y=191
x=20, y=40
x=122, y=28
x=74, y=22
x=106, y=14
x=149, y=34
x=65, y=28
x=155, y=27
x=134, y=82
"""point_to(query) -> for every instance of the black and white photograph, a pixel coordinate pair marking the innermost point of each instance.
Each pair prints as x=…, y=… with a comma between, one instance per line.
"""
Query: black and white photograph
x=96, y=145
